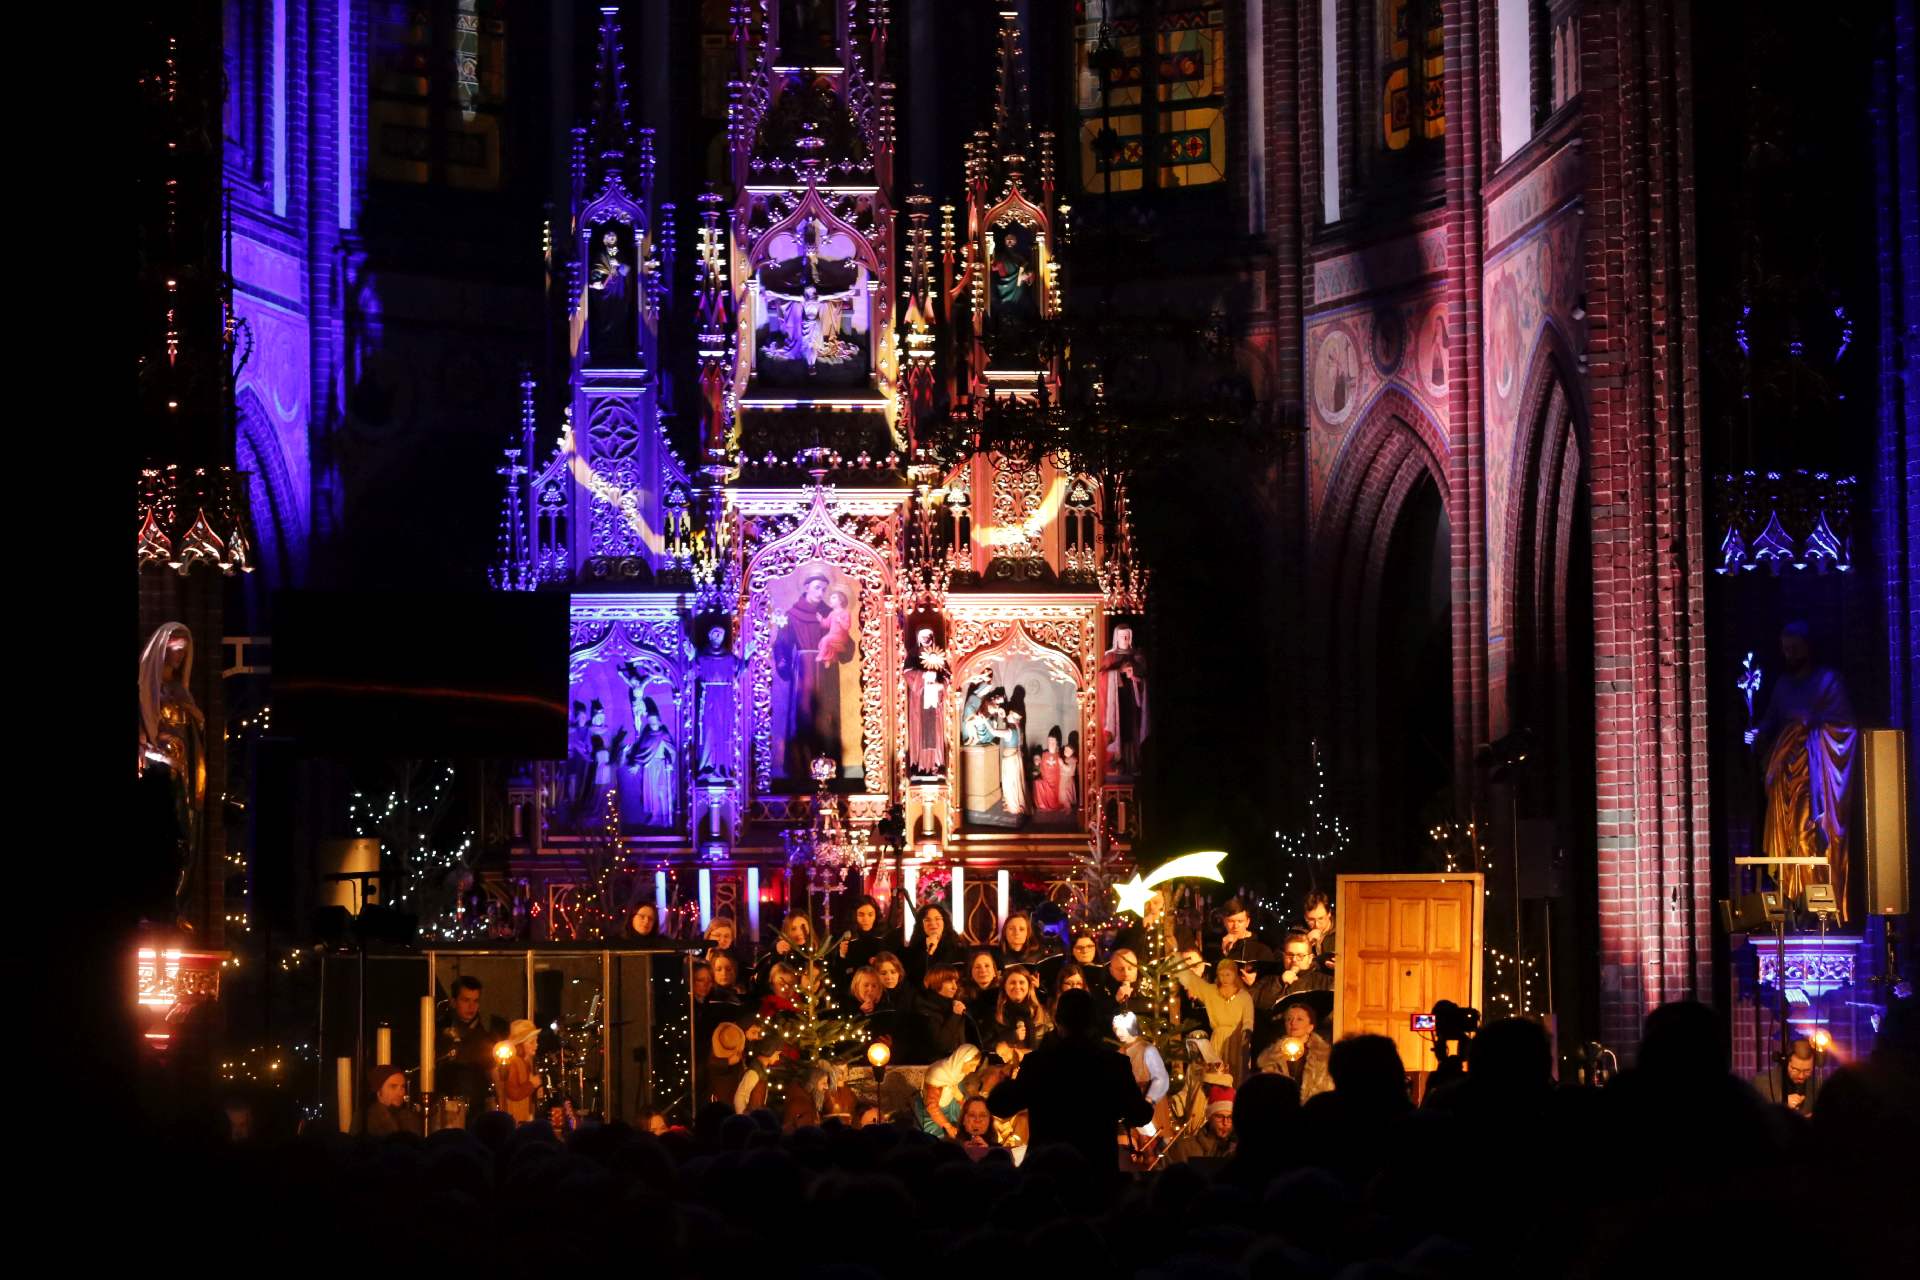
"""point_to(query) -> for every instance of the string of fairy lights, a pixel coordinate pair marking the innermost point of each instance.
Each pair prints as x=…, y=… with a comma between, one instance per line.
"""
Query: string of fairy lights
x=406, y=827
x=1310, y=852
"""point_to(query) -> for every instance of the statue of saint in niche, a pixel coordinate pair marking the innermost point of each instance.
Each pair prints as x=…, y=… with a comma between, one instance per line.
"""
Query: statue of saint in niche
x=610, y=304
x=926, y=706
x=653, y=757
x=716, y=673
x=1016, y=298
x=993, y=756
x=1051, y=782
x=1810, y=736
x=1123, y=698
x=810, y=326
x=813, y=327
x=172, y=758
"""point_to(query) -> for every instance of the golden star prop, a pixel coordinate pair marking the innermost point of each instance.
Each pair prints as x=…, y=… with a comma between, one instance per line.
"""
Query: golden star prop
x=1188, y=866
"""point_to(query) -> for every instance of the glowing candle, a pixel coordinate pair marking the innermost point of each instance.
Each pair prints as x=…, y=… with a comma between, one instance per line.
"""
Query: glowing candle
x=957, y=905
x=913, y=894
x=343, y=1082
x=1003, y=886
x=383, y=1045
x=753, y=901
x=426, y=1044
x=706, y=898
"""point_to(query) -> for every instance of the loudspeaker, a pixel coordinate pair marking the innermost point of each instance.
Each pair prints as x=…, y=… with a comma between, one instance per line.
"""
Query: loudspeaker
x=1883, y=759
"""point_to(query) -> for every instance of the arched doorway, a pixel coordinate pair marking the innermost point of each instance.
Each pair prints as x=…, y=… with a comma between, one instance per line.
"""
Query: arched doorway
x=1413, y=716
x=1547, y=819
x=1383, y=692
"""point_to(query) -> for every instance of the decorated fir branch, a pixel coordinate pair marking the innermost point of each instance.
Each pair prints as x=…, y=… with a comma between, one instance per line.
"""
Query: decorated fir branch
x=1162, y=1026
x=816, y=1032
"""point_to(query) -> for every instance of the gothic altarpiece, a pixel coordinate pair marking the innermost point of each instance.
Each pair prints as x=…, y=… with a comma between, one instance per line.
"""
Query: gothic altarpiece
x=819, y=621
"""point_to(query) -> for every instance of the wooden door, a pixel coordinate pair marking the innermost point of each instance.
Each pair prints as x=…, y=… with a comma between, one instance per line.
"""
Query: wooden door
x=1405, y=942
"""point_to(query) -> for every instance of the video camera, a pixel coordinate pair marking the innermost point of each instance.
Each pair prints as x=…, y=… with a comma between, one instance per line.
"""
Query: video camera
x=1450, y=1025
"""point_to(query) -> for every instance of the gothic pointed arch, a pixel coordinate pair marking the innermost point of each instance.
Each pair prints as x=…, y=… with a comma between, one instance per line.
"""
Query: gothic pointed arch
x=1391, y=473
x=1543, y=607
x=271, y=497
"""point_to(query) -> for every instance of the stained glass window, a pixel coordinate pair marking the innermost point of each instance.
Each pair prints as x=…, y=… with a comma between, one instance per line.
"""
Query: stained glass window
x=1413, y=90
x=438, y=92
x=1151, y=121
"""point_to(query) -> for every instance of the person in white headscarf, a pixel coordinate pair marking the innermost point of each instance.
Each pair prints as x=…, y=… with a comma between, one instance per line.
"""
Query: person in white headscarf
x=937, y=1107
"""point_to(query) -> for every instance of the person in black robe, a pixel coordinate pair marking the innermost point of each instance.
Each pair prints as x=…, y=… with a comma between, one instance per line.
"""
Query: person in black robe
x=1075, y=1090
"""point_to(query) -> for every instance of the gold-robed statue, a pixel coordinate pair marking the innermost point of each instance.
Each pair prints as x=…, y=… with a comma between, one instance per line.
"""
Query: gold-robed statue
x=1809, y=737
x=173, y=742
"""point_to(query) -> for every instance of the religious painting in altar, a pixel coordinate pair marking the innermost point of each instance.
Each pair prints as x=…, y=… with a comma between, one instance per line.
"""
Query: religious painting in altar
x=1123, y=701
x=626, y=732
x=812, y=311
x=816, y=635
x=613, y=289
x=1021, y=747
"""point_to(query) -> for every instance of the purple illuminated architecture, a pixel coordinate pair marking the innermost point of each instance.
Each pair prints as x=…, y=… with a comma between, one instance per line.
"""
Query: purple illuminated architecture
x=984, y=450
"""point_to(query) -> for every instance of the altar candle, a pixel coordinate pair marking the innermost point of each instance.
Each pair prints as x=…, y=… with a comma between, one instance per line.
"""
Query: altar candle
x=383, y=1045
x=426, y=1044
x=343, y=1078
x=957, y=905
x=913, y=892
x=753, y=902
x=706, y=899
x=1001, y=883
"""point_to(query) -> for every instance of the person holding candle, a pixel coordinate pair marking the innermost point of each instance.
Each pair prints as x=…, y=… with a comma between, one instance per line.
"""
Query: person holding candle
x=1301, y=1052
x=514, y=1079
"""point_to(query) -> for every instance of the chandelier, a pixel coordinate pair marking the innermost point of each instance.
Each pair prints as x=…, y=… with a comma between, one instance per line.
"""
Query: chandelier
x=829, y=851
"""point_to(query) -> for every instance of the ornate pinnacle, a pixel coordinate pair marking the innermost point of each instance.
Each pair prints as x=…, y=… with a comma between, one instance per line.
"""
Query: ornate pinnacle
x=612, y=130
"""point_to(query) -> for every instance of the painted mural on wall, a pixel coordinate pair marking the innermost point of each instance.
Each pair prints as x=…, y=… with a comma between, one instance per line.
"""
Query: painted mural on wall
x=1532, y=285
x=1354, y=354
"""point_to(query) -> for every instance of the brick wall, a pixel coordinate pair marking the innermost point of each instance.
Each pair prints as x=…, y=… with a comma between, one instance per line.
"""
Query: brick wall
x=1654, y=886
x=1466, y=106
x=1649, y=640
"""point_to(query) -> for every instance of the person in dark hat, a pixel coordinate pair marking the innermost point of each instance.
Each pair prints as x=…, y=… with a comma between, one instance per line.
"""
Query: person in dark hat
x=389, y=1113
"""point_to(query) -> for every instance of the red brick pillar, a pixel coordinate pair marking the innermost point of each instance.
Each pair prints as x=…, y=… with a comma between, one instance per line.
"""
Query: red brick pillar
x=1648, y=552
x=1466, y=451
